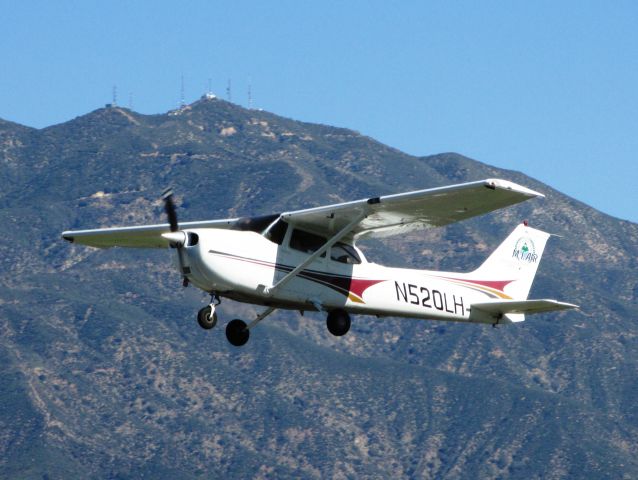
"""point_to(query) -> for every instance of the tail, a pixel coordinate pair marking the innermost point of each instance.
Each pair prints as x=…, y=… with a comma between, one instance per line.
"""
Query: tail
x=515, y=261
x=510, y=271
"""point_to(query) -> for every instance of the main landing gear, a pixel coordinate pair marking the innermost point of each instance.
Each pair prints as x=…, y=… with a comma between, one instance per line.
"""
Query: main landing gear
x=338, y=322
x=238, y=332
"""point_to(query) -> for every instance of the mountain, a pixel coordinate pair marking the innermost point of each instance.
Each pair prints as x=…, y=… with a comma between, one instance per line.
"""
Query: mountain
x=107, y=375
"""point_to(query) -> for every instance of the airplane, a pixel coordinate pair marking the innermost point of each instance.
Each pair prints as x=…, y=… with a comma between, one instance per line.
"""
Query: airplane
x=308, y=260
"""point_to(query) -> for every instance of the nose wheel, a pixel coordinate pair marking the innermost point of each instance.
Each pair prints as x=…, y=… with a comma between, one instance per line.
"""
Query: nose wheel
x=207, y=317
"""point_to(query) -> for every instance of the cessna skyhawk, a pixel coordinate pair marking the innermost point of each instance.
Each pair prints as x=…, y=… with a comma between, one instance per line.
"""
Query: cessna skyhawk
x=308, y=259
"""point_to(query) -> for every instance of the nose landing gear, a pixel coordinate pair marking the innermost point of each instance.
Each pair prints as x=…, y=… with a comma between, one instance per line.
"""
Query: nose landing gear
x=207, y=317
x=237, y=331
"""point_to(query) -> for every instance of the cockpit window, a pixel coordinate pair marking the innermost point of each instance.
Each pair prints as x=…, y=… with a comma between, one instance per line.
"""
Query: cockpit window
x=277, y=232
x=342, y=253
x=306, y=242
x=309, y=243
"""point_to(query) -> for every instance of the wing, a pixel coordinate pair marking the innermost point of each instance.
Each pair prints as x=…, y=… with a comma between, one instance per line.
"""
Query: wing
x=387, y=215
x=144, y=236
x=395, y=214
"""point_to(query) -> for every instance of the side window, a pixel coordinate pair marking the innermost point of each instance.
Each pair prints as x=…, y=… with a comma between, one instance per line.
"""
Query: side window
x=306, y=242
x=342, y=253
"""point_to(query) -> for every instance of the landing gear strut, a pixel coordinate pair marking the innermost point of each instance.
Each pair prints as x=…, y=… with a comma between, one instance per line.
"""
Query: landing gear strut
x=237, y=332
x=338, y=322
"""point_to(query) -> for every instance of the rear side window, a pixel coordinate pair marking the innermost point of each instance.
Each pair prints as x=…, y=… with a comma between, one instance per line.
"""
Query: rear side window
x=306, y=242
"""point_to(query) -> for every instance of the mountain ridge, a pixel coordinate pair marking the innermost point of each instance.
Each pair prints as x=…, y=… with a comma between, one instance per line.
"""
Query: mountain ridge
x=101, y=347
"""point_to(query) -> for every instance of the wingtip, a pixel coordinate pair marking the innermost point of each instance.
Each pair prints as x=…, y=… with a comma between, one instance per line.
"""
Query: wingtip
x=497, y=183
x=565, y=305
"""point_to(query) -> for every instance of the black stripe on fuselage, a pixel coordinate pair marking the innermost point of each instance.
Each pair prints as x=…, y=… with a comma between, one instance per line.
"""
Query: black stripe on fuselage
x=337, y=282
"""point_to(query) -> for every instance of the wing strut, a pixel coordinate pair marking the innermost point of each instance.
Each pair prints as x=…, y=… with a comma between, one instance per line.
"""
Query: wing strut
x=338, y=236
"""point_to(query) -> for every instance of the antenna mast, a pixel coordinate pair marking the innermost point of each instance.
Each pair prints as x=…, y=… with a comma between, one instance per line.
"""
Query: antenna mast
x=182, y=103
x=250, y=94
x=228, y=91
x=114, y=95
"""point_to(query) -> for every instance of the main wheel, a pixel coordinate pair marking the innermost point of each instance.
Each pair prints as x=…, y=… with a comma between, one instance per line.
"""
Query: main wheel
x=205, y=319
x=338, y=322
x=237, y=333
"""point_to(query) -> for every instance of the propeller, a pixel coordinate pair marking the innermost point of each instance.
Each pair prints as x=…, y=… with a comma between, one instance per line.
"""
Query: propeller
x=169, y=208
x=176, y=237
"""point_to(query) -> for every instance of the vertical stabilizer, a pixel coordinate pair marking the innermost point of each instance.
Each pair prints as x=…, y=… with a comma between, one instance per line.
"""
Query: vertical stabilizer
x=514, y=263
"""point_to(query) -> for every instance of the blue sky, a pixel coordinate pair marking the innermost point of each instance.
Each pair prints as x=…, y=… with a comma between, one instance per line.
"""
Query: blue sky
x=548, y=88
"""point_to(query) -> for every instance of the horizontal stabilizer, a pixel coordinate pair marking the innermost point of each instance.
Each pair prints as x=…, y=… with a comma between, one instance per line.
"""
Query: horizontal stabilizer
x=490, y=312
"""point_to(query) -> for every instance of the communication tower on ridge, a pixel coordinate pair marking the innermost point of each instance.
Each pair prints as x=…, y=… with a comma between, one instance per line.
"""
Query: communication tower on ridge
x=182, y=102
x=209, y=92
x=114, y=96
x=250, y=94
x=228, y=91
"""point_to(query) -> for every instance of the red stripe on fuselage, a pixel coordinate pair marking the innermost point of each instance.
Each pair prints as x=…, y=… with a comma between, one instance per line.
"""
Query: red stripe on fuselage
x=343, y=284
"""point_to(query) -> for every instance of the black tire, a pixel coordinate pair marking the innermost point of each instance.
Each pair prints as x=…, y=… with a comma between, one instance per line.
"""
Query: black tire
x=204, y=318
x=237, y=333
x=338, y=322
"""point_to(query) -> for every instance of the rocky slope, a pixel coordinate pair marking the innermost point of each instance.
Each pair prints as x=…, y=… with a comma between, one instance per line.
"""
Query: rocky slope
x=106, y=374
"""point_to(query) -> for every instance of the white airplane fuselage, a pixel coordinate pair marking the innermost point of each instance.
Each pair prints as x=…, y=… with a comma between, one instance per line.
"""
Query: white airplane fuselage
x=239, y=264
x=306, y=260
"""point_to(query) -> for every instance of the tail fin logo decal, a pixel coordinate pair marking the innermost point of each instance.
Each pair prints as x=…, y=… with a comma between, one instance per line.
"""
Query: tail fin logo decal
x=525, y=250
